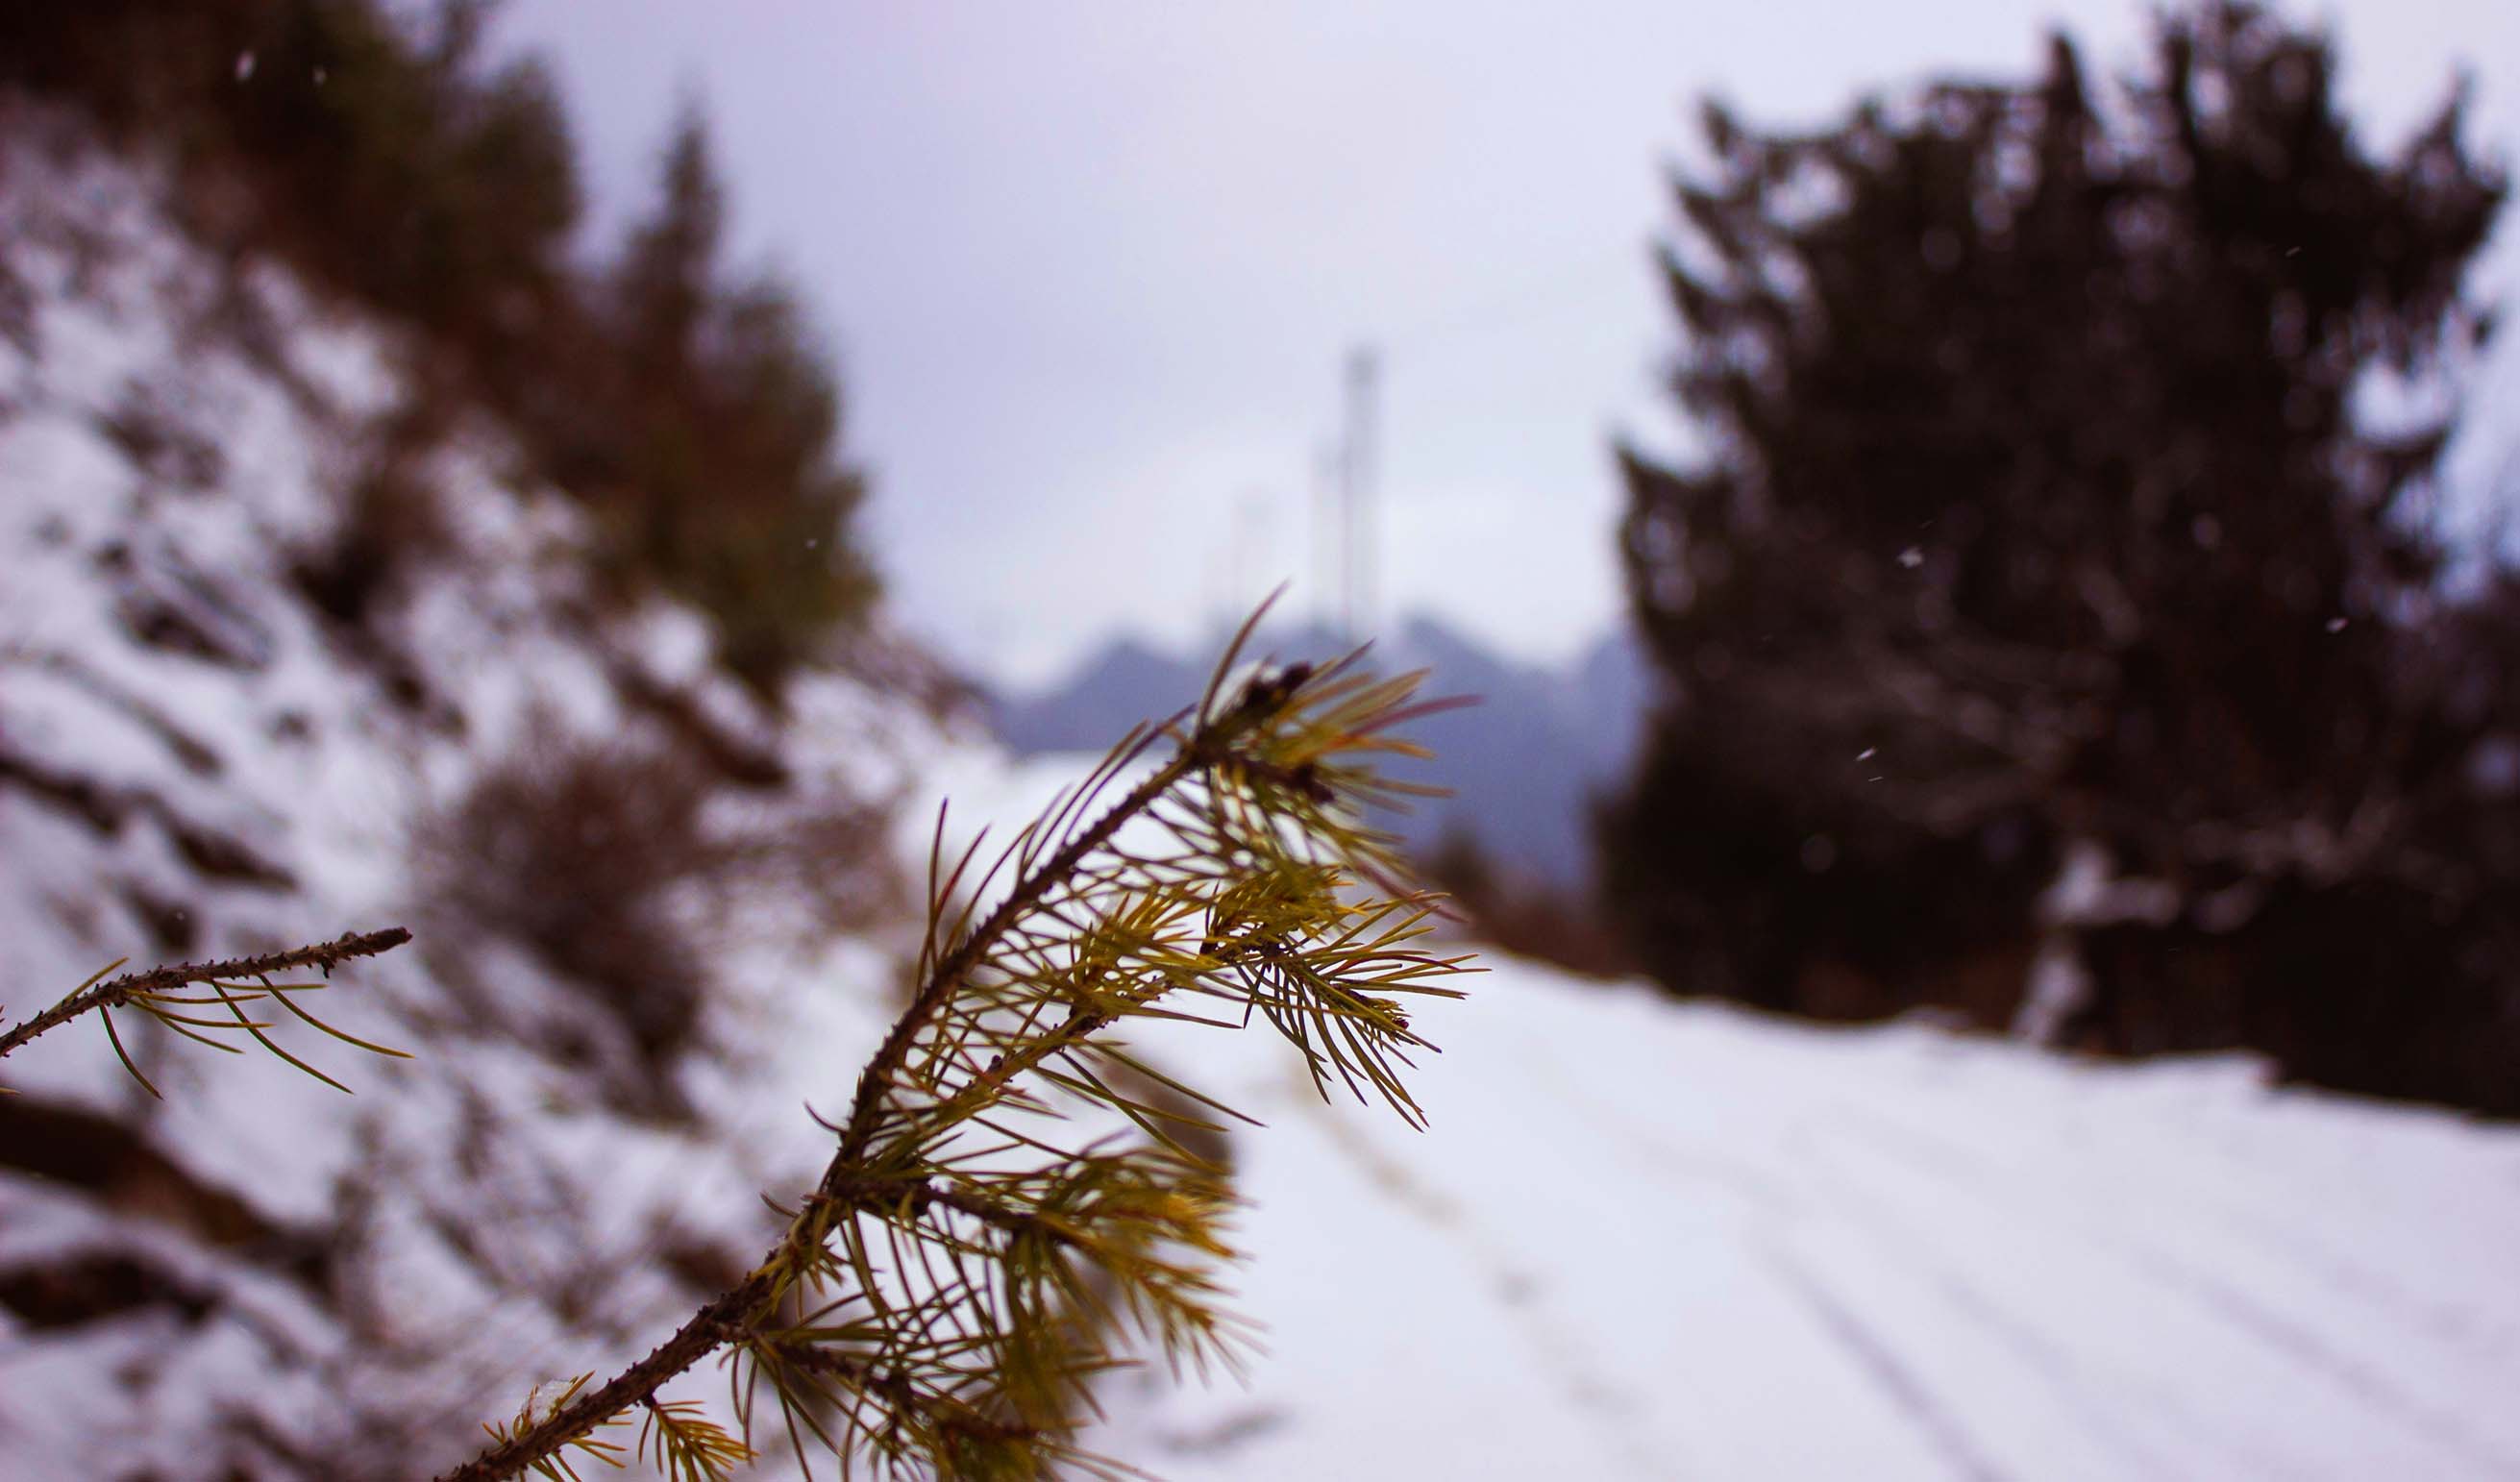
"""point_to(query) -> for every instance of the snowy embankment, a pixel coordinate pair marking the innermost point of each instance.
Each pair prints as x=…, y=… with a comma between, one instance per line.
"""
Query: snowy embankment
x=259, y=1276
x=1651, y=1240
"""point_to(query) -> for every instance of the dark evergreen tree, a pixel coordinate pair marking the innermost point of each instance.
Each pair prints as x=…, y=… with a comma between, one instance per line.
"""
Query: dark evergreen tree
x=721, y=442
x=2036, y=517
x=666, y=280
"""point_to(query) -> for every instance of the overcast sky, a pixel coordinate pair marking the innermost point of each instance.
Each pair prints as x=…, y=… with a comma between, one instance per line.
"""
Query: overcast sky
x=1090, y=269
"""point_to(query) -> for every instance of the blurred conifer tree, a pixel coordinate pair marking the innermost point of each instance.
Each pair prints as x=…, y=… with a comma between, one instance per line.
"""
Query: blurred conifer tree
x=2037, y=512
x=720, y=438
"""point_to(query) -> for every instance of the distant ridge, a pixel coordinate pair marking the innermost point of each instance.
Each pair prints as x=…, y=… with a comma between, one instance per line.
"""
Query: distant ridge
x=1523, y=763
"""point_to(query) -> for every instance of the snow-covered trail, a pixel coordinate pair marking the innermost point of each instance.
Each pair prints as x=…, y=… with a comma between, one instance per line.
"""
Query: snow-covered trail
x=1648, y=1239
x=1645, y=1238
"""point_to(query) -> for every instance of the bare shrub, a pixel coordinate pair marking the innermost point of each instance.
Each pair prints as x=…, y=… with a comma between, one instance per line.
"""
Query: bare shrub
x=624, y=866
x=576, y=851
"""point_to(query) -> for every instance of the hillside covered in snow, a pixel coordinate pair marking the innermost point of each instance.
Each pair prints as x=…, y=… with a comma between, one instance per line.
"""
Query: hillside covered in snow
x=647, y=906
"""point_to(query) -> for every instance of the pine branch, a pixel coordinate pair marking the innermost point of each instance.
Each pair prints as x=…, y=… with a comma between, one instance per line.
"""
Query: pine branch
x=232, y=985
x=711, y=1328
x=958, y=1265
x=948, y=976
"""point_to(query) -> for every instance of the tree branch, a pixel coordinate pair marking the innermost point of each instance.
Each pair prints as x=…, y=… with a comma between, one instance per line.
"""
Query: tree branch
x=735, y=1312
x=121, y=991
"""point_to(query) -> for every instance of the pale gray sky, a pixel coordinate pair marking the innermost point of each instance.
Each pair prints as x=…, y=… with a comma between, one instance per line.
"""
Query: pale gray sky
x=1090, y=266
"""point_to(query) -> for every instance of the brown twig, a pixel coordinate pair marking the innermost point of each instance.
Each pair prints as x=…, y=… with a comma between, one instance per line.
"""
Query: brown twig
x=732, y=1311
x=120, y=992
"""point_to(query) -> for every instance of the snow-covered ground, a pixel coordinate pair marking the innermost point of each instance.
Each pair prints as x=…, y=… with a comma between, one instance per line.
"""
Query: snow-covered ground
x=1652, y=1239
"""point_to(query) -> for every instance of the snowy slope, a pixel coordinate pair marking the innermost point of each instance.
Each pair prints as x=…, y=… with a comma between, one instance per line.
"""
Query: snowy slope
x=259, y=1277
x=1650, y=1240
